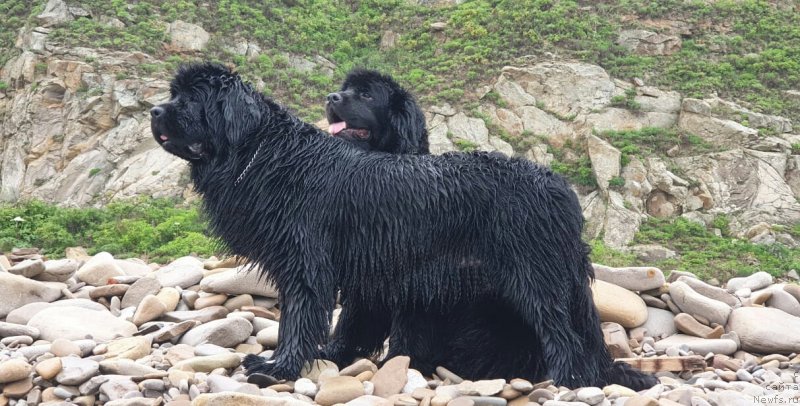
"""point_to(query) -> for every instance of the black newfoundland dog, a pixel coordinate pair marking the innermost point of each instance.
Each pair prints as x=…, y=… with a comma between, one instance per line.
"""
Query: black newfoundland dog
x=395, y=233
x=373, y=112
x=477, y=341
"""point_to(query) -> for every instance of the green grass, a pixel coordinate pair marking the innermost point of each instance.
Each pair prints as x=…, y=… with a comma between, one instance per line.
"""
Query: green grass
x=627, y=101
x=710, y=256
x=154, y=229
x=577, y=167
x=754, y=59
x=603, y=254
x=654, y=141
x=465, y=145
x=15, y=14
x=702, y=252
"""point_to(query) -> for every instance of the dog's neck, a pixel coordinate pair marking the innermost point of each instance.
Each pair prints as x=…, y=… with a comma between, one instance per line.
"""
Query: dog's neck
x=249, y=163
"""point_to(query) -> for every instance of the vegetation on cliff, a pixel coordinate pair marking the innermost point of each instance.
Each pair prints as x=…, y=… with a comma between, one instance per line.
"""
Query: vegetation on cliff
x=743, y=50
x=747, y=50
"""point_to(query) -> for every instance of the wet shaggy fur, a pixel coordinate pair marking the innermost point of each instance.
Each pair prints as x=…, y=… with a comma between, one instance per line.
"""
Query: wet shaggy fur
x=380, y=114
x=394, y=233
x=477, y=341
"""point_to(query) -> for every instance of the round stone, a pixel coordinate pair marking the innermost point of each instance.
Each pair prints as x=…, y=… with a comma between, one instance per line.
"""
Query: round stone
x=339, y=389
x=14, y=370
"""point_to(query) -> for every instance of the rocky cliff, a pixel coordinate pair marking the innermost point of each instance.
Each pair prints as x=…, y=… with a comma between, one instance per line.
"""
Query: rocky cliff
x=75, y=130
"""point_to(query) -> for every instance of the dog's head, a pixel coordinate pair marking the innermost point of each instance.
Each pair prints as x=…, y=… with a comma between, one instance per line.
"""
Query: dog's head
x=374, y=112
x=209, y=110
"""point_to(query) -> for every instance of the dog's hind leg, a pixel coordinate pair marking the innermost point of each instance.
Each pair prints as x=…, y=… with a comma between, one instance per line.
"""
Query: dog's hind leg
x=360, y=332
x=412, y=334
x=545, y=309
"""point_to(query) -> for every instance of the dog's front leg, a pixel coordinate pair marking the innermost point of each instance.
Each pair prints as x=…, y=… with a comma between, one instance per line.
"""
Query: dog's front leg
x=305, y=322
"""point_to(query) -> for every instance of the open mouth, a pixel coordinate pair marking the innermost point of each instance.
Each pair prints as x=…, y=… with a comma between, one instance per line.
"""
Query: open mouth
x=159, y=134
x=340, y=129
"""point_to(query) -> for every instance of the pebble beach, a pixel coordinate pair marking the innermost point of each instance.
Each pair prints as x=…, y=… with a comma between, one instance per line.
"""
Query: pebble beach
x=97, y=330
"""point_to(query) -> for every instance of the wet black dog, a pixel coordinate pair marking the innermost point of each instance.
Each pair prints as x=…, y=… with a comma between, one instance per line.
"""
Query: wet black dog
x=459, y=339
x=375, y=113
x=399, y=235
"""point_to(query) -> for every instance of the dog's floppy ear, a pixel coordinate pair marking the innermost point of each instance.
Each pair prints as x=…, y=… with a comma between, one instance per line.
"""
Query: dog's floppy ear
x=407, y=122
x=240, y=112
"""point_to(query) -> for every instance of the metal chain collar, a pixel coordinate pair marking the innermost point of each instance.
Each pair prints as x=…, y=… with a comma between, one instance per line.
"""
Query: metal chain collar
x=249, y=164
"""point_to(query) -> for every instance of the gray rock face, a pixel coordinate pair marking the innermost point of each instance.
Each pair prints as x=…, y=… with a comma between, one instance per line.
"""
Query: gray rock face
x=765, y=330
x=649, y=43
x=17, y=291
x=55, y=12
x=54, y=139
x=54, y=136
x=513, y=93
x=748, y=180
x=538, y=121
x=618, y=119
x=437, y=135
x=468, y=128
x=565, y=88
x=605, y=160
x=611, y=218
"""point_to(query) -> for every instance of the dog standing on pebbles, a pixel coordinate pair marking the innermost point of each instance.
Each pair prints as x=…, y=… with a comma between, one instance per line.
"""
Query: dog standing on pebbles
x=394, y=233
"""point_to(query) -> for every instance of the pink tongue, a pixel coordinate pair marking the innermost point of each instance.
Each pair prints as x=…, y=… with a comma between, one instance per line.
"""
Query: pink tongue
x=164, y=138
x=335, y=128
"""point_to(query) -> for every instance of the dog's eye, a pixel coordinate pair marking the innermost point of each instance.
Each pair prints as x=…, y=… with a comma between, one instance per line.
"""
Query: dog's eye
x=365, y=95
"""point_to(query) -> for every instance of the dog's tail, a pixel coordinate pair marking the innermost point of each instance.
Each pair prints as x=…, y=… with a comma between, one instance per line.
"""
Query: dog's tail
x=621, y=373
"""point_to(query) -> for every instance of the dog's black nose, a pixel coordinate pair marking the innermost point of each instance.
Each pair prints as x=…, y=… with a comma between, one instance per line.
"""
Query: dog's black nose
x=157, y=111
x=334, y=98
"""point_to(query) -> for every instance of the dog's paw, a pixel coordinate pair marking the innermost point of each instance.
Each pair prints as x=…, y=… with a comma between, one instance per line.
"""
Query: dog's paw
x=625, y=375
x=336, y=353
x=254, y=364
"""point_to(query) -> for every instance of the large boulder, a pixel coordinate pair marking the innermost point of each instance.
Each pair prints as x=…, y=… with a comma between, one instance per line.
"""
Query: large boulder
x=645, y=42
x=747, y=183
x=765, y=330
x=610, y=218
x=697, y=305
x=76, y=323
x=55, y=12
x=605, y=160
x=565, y=88
x=618, y=305
x=187, y=37
x=17, y=291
